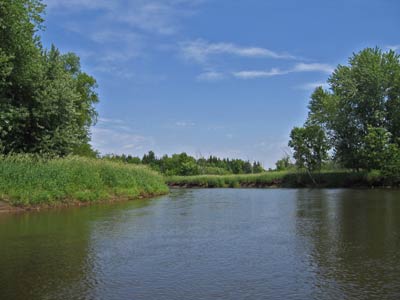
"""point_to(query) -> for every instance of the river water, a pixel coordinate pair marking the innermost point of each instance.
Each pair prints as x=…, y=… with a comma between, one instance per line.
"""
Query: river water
x=209, y=244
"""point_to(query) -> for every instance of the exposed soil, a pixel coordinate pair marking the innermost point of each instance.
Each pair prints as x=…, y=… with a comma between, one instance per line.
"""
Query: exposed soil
x=5, y=207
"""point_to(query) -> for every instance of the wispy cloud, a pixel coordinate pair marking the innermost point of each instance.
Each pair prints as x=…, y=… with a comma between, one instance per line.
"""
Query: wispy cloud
x=110, y=140
x=250, y=74
x=156, y=16
x=122, y=31
x=313, y=67
x=118, y=136
x=210, y=76
x=312, y=86
x=200, y=50
x=76, y=4
x=298, y=68
x=110, y=121
x=114, y=124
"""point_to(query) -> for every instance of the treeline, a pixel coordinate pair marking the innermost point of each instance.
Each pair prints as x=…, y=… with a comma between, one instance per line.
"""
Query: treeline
x=356, y=122
x=46, y=100
x=184, y=165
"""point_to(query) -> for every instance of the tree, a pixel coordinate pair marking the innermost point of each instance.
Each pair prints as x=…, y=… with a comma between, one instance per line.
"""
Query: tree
x=380, y=153
x=46, y=101
x=247, y=167
x=375, y=148
x=283, y=163
x=149, y=159
x=257, y=167
x=86, y=150
x=310, y=147
x=364, y=94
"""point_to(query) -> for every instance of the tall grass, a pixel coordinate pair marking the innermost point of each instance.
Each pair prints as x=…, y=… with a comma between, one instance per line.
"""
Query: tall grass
x=29, y=180
x=288, y=179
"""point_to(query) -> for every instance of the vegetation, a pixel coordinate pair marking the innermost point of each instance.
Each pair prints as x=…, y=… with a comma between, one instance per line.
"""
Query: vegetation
x=357, y=120
x=355, y=125
x=284, y=164
x=33, y=180
x=47, y=107
x=287, y=179
x=46, y=101
x=46, y=110
x=186, y=165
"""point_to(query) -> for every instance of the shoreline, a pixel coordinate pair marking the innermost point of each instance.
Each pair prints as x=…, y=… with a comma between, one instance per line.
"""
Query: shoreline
x=7, y=208
x=277, y=186
x=327, y=179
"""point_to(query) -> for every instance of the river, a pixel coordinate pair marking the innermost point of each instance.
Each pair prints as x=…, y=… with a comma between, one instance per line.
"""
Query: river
x=209, y=244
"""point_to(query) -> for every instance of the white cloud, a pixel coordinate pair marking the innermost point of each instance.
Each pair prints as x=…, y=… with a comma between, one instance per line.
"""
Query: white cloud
x=110, y=121
x=298, y=68
x=313, y=67
x=199, y=50
x=251, y=74
x=122, y=30
x=210, y=76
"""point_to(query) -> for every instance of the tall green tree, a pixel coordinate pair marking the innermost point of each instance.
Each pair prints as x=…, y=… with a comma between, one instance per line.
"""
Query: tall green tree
x=46, y=101
x=363, y=94
x=283, y=163
x=310, y=147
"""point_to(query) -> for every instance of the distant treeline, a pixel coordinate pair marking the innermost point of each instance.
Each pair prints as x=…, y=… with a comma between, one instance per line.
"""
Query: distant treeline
x=185, y=165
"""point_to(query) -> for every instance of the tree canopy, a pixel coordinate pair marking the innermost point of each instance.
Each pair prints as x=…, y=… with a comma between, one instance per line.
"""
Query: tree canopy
x=360, y=112
x=310, y=146
x=46, y=101
x=184, y=165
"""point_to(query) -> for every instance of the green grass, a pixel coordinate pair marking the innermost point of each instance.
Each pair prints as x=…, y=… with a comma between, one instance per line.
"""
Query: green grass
x=331, y=179
x=28, y=180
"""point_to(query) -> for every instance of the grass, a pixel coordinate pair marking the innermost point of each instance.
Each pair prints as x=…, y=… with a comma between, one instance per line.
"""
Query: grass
x=328, y=179
x=27, y=180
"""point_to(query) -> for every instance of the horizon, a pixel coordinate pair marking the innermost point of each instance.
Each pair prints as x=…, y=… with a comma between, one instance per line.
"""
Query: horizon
x=207, y=77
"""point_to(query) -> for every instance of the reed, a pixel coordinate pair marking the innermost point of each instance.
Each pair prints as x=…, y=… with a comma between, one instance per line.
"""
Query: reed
x=287, y=179
x=32, y=180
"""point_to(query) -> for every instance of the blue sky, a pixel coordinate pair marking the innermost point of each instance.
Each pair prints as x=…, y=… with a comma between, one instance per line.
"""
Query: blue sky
x=223, y=77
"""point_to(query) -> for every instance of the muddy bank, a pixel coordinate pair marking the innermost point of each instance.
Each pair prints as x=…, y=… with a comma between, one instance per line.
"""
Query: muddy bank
x=343, y=179
x=6, y=207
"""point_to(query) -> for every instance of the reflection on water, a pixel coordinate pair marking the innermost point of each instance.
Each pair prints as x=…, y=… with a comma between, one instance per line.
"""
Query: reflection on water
x=354, y=241
x=209, y=244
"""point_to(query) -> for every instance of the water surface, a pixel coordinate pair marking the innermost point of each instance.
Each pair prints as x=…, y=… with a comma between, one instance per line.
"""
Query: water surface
x=209, y=244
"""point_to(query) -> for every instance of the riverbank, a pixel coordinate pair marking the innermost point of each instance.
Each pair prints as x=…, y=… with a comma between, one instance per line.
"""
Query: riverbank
x=28, y=182
x=285, y=179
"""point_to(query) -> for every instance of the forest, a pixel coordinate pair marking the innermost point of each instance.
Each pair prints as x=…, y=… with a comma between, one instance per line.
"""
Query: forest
x=185, y=165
